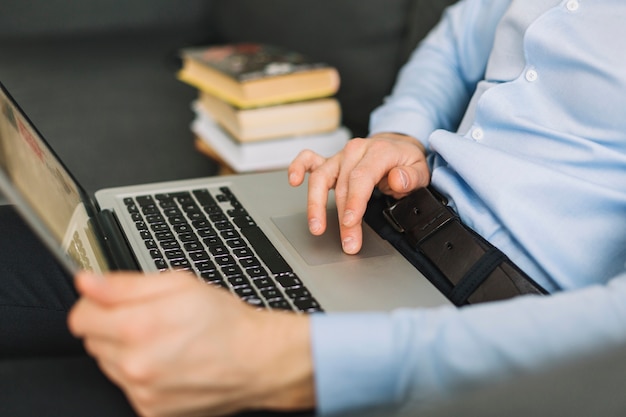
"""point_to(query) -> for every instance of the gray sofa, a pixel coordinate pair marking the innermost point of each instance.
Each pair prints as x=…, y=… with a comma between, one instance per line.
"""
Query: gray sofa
x=98, y=79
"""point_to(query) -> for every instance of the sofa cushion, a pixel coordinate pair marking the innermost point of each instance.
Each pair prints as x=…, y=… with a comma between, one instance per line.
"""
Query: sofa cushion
x=367, y=40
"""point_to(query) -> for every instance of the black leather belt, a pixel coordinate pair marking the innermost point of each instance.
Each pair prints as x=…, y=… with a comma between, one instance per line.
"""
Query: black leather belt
x=476, y=270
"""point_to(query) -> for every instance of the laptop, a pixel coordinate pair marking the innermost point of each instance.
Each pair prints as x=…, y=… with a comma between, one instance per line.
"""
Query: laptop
x=246, y=233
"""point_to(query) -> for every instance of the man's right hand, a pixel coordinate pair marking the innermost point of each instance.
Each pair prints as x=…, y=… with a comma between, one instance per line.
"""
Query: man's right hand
x=394, y=163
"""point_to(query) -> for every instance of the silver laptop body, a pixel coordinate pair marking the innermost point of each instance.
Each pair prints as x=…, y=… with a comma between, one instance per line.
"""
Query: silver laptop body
x=112, y=231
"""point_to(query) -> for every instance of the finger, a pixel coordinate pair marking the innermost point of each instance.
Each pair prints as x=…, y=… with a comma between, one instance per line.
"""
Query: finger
x=321, y=181
x=122, y=287
x=89, y=319
x=349, y=221
x=400, y=166
x=319, y=186
x=306, y=161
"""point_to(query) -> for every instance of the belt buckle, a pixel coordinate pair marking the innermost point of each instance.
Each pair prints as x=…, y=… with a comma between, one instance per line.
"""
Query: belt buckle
x=388, y=214
x=419, y=214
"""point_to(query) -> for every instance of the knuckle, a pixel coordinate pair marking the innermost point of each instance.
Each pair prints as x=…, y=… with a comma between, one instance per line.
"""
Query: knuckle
x=379, y=147
x=318, y=176
x=135, y=370
x=355, y=144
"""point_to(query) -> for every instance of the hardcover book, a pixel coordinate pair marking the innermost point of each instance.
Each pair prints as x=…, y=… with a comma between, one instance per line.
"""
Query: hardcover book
x=253, y=74
x=262, y=155
x=272, y=122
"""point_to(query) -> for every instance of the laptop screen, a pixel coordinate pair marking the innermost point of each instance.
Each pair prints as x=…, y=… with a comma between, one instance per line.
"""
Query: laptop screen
x=38, y=180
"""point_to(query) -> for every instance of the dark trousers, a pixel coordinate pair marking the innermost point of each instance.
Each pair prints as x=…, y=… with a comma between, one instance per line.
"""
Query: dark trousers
x=35, y=295
x=44, y=370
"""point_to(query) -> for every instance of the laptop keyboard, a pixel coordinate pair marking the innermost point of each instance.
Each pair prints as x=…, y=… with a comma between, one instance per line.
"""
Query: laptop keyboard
x=214, y=237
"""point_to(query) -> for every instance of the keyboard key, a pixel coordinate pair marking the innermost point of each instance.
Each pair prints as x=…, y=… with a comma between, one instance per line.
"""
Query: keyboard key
x=177, y=219
x=155, y=218
x=170, y=244
x=264, y=283
x=145, y=200
x=249, y=262
x=246, y=291
x=174, y=254
x=205, y=266
x=180, y=264
x=297, y=292
x=230, y=234
x=207, y=232
x=238, y=280
x=289, y=280
x=236, y=243
x=256, y=272
x=266, y=250
x=199, y=256
x=243, y=252
x=244, y=222
x=187, y=237
x=204, y=197
x=172, y=212
x=193, y=246
x=307, y=305
x=159, y=227
x=132, y=208
x=167, y=235
x=160, y=264
x=231, y=270
x=218, y=250
x=202, y=233
x=271, y=294
x=280, y=304
x=182, y=228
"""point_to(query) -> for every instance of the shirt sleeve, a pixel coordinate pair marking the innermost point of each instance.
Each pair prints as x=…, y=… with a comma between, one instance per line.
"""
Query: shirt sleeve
x=434, y=87
x=412, y=358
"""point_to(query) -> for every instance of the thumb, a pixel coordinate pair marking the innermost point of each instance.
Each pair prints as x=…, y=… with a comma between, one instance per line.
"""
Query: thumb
x=404, y=179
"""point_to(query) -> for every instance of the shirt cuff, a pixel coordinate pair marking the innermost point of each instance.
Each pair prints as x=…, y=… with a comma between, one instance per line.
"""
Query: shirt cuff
x=355, y=365
x=404, y=122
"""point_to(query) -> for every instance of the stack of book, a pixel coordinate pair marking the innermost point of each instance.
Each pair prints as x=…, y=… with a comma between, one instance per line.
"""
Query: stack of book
x=259, y=105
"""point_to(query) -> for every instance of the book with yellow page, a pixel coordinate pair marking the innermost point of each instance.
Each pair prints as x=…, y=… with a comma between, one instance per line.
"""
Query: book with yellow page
x=260, y=155
x=272, y=122
x=254, y=74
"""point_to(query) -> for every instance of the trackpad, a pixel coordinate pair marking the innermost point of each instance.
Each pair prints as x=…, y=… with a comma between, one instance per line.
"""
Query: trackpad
x=325, y=249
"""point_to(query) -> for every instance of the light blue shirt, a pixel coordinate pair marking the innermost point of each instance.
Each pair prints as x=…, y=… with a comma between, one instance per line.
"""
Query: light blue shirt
x=521, y=105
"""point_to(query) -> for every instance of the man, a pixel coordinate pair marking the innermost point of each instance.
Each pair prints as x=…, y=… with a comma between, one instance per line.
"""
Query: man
x=536, y=167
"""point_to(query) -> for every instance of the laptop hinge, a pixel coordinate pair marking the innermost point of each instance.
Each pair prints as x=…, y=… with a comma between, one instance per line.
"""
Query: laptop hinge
x=120, y=253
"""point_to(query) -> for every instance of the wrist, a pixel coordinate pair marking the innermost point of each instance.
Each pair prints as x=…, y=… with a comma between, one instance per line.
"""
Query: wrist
x=400, y=137
x=286, y=380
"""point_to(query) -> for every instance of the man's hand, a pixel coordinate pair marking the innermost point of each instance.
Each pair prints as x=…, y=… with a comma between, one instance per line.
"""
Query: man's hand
x=177, y=346
x=394, y=163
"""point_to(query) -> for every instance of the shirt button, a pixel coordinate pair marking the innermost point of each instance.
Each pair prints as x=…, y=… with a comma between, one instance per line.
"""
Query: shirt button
x=477, y=134
x=572, y=5
x=531, y=75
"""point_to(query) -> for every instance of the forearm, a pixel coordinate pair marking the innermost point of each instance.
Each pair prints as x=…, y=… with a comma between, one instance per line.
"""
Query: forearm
x=412, y=358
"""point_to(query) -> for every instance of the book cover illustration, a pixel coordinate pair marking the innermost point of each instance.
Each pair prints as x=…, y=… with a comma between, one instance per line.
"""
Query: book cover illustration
x=252, y=61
